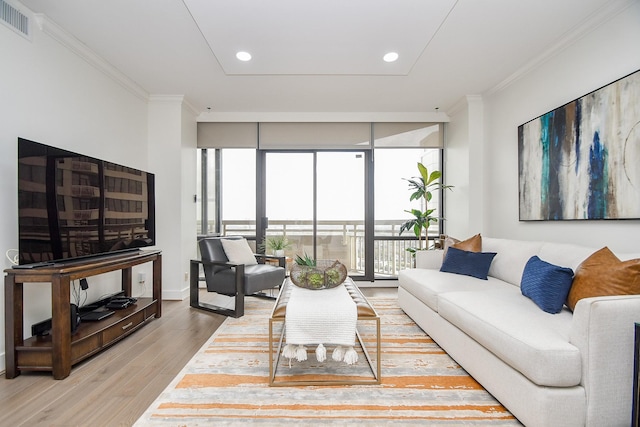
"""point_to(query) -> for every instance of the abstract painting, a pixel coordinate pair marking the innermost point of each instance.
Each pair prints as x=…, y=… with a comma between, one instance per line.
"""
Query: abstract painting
x=581, y=161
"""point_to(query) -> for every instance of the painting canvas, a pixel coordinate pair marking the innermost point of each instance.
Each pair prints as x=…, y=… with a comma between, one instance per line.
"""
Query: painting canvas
x=581, y=161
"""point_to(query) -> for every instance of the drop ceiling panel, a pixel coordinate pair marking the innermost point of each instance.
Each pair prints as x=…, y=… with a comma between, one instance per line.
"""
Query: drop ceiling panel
x=329, y=37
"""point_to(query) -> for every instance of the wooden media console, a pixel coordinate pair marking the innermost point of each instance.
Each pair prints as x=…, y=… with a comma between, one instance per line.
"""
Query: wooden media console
x=61, y=349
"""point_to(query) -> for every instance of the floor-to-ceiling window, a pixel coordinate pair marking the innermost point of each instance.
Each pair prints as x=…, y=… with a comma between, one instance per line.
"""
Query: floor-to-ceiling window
x=393, y=166
x=238, y=192
x=207, y=198
x=332, y=200
x=317, y=200
x=398, y=147
x=227, y=201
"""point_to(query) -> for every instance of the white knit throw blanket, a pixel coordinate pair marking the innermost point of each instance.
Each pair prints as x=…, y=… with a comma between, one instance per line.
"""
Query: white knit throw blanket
x=322, y=317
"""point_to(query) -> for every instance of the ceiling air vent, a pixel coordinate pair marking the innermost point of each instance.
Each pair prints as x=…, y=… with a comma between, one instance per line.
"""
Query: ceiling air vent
x=14, y=19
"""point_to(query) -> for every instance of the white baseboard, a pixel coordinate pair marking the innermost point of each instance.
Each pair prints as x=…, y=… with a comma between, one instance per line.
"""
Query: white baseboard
x=178, y=295
x=377, y=284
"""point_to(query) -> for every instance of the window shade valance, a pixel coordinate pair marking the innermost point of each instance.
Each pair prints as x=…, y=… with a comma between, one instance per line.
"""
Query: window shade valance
x=314, y=135
x=227, y=135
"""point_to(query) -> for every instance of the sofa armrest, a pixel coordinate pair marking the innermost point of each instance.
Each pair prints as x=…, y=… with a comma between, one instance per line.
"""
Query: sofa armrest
x=429, y=259
x=603, y=331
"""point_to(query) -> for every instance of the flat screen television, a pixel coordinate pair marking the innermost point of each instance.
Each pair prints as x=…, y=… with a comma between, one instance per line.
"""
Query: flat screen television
x=72, y=206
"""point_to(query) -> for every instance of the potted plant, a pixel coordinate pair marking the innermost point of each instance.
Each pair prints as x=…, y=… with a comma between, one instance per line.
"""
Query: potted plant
x=422, y=188
x=276, y=244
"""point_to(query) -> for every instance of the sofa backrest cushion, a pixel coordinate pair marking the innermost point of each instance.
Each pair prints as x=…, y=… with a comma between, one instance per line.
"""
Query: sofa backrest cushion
x=512, y=256
x=565, y=254
x=627, y=256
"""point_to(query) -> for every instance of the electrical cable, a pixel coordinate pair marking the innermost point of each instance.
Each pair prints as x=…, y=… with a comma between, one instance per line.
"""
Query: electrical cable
x=78, y=293
x=15, y=259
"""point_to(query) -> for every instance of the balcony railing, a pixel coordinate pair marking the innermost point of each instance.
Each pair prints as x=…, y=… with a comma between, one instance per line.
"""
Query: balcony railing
x=342, y=240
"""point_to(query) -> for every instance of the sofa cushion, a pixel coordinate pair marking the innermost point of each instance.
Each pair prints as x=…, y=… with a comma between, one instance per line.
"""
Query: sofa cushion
x=565, y=254
x=513, y=328
x=604, y=274
x=512, y=255
x=475, y=264
x=546, y=284
x=426, y=284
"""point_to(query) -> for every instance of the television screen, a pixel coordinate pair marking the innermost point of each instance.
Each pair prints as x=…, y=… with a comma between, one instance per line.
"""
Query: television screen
x=76, y=206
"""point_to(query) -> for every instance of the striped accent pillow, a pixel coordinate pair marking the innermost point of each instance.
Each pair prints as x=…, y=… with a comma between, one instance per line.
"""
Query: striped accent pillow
x=546, y=284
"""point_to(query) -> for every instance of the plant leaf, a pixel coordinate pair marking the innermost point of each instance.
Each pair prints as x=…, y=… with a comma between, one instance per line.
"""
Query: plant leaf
x=424, y=173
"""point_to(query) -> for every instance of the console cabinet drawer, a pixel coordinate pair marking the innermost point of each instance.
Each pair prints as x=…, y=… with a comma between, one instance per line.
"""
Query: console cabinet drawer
x=123, y=327
x=82, y=348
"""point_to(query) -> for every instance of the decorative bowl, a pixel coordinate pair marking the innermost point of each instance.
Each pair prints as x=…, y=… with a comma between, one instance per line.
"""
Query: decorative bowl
x=325, y=275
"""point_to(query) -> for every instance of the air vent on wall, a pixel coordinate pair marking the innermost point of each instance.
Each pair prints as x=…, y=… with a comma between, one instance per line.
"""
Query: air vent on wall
x=14, y=19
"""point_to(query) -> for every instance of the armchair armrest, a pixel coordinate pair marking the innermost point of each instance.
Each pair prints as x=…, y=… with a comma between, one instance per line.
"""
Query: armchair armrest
x=282, y=261
x=194, y=298
x=218, y=263
x=603, y=331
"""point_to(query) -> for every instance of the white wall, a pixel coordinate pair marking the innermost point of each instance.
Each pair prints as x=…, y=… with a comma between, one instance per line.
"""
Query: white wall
x=464, y=167
x=604, y=54
x=51, y=95
x=458, y=212
x=172, y=150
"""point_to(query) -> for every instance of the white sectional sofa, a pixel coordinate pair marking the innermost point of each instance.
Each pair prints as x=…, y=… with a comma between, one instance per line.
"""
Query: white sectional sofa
x=565, y=369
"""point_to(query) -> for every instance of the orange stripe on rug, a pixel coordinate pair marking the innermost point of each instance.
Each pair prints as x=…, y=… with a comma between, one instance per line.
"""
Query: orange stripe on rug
x=417, y=382
x=490, y=409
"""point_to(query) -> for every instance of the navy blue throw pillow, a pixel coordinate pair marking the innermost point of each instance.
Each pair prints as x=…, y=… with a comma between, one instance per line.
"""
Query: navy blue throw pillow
x=475, y=264
x=546, y=284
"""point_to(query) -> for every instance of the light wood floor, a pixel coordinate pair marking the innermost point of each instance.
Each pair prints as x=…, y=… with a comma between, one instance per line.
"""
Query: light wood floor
x=116, y=386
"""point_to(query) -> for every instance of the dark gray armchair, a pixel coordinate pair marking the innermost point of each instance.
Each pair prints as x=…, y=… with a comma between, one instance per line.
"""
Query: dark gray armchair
x=231, y=279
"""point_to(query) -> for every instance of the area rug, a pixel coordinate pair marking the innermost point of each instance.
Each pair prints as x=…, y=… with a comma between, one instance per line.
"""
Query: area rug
x=227, y=382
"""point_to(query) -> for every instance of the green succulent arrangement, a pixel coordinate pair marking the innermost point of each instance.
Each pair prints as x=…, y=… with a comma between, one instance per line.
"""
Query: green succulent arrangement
x=315, y=278
x=312, y=276
x=306, y=261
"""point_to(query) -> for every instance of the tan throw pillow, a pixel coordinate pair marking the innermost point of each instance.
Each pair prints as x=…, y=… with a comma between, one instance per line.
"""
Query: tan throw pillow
x=472, y=244
x=603, y=274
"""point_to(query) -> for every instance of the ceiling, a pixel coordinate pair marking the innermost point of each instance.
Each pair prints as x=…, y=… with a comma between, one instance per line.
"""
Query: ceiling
x=323, y=55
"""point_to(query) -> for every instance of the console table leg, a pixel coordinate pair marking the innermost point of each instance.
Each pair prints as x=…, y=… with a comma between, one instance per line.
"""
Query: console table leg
x=13, y=324
x=61, y=327
x=157, y=284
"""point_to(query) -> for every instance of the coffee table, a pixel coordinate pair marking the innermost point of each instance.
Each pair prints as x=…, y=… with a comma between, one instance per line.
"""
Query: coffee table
x=366, y=313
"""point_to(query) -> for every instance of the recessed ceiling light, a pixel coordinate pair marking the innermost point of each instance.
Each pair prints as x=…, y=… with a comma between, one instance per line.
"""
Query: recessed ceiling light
x=243, y=56
x=390, y=57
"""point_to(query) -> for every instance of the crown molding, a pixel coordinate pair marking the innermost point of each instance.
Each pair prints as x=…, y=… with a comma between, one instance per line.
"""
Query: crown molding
x=596, y=19
x=192, y=108
x=56, y=32
x=174, y=99
x=169, y=99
